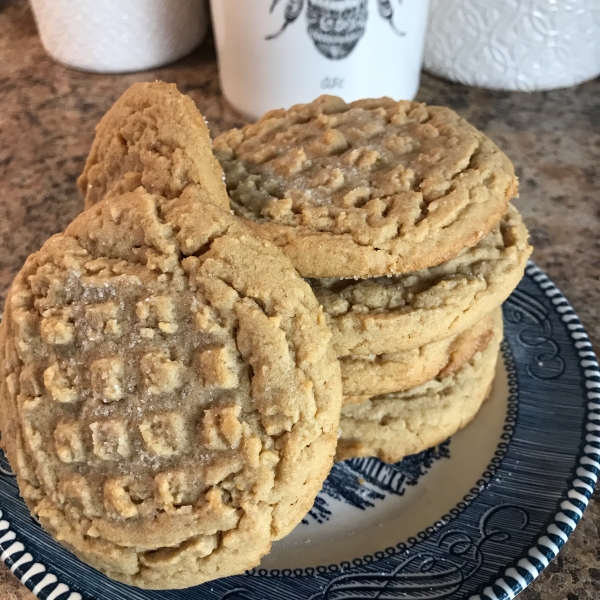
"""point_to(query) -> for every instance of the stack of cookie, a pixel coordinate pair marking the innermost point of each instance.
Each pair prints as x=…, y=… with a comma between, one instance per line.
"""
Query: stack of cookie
x=398, y=214
x=171, y=388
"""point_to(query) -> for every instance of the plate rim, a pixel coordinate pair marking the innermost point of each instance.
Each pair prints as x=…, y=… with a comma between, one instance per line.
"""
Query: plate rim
x=536, y=558
x=545, y=550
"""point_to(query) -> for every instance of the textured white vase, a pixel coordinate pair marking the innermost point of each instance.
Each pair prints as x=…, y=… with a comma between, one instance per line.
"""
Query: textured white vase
x=514, y=44
x=117, y=36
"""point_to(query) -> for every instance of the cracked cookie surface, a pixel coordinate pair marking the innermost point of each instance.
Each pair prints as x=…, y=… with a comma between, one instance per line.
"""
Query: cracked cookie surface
x=169, y=397
x=385, y=373
x=391, y=314
x=392, y=426
x=154, y=137
x=370, y=188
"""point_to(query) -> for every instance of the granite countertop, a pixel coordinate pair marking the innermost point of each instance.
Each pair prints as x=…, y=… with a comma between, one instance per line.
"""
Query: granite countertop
x=47, y=119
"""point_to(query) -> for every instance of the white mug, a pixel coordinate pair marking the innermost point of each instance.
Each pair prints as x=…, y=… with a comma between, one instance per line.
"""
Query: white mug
x=276, y=53
x=118, y=36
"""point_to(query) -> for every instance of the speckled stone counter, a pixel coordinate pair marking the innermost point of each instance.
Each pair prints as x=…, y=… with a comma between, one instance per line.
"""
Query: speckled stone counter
x=47, y=118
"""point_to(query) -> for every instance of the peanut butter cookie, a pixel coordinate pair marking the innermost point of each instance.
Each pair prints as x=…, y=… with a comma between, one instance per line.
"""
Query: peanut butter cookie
x=391, y=314
x=392, y=426
x=385, y=373
x=371, y=188
x=154, y=137
x=169, y=398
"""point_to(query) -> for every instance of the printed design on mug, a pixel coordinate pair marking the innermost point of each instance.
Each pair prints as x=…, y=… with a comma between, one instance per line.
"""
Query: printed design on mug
x=335, y=26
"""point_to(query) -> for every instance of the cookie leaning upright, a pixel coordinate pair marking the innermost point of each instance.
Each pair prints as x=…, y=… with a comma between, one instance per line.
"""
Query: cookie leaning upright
x=153, y=136
x=371, y=188
x=169, y=399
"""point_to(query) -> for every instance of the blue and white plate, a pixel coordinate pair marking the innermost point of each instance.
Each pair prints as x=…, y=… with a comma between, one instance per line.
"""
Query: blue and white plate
x=478, y=517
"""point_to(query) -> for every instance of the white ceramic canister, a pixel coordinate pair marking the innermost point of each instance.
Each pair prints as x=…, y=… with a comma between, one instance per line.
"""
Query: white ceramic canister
x=118, y=36
x=514, y=44
x=276, y=53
